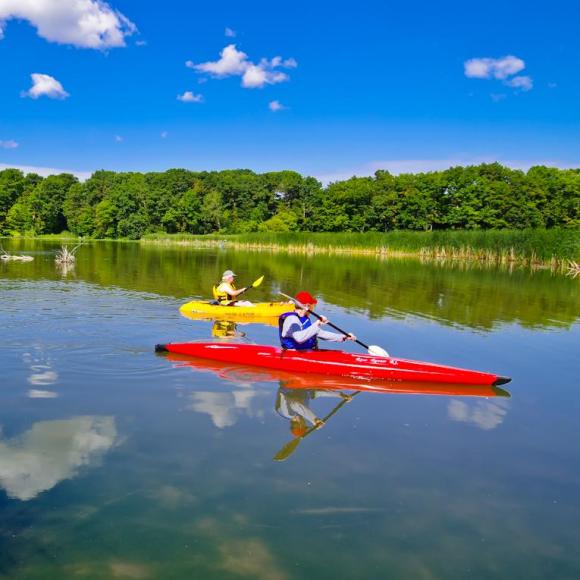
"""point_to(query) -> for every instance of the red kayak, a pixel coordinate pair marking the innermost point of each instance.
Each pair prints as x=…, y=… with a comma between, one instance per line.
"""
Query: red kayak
x=246, y=375
x=332, y=362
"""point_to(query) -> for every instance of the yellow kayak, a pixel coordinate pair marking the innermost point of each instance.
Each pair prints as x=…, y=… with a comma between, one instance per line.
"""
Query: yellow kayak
x=230, y=318
x=257, y=310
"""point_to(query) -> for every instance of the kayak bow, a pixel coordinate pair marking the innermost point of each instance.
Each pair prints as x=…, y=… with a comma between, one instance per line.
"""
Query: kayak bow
x=332, y=362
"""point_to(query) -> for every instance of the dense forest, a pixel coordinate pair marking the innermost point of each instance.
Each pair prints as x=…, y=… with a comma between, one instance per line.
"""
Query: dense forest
x=129, y=205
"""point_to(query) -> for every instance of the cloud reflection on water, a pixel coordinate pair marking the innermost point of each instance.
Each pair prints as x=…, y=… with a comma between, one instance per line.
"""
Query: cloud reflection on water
x=52, y=451
x=486, y=415
x=41, y=394
x=225, y=408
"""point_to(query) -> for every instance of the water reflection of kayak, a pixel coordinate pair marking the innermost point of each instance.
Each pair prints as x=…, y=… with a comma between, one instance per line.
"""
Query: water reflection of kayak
x=247, y=374
x=257, y=310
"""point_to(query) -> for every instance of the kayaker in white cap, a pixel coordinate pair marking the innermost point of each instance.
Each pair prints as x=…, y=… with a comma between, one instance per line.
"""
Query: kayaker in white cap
x=226, y=292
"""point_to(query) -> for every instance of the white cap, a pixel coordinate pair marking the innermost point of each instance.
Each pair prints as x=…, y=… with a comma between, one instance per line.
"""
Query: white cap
x=227, y=274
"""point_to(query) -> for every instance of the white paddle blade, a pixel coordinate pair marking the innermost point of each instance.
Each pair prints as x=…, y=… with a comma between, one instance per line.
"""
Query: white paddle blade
x=377, y=351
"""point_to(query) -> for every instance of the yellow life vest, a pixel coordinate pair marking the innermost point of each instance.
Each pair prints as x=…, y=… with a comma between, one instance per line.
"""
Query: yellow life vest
x=222, y=296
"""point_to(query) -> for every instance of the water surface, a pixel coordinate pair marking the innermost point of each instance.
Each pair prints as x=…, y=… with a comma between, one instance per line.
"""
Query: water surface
x=117, y=462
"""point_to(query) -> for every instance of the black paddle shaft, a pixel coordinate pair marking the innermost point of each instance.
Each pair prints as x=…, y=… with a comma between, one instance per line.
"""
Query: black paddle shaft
x=339, y=329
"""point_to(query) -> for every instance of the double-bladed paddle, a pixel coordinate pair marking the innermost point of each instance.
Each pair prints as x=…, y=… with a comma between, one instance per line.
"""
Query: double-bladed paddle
x=372, y=349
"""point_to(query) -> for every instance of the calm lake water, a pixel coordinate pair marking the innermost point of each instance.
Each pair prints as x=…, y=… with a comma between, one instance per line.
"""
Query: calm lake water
x=116, y=462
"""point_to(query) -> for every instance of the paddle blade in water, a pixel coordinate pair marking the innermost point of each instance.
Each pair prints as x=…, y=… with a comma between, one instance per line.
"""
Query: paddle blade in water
x=377, y=351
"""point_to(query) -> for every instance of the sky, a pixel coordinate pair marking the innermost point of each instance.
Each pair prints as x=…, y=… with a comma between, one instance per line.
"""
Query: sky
x=329, y=89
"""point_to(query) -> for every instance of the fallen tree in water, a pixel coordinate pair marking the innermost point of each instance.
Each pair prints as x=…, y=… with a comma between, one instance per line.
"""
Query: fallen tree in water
x=6, y=256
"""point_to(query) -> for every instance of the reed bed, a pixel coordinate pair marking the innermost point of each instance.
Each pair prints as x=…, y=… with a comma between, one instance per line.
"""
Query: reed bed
x=554, y=249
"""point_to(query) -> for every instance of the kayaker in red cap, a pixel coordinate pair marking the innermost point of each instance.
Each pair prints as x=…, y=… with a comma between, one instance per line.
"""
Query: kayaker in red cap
x=298, y=332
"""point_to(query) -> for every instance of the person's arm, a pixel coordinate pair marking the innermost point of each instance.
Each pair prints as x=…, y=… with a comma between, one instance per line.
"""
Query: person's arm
x=281, y=405
x=292, y=329
x=331, y=336
x=318, y=393
x=227, y=288
x=304, y=411
x=237, y=292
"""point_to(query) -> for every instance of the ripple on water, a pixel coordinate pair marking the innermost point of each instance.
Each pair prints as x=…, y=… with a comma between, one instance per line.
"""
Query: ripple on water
x=107, y=330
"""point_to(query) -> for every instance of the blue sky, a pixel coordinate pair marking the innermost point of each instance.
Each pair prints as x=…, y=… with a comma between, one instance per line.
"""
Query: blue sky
x=358, y=86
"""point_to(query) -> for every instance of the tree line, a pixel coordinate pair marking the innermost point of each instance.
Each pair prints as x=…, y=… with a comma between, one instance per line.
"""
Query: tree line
x=129, y=205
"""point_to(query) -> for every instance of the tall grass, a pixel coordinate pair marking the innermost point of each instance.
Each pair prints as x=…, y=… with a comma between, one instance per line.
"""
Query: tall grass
x=529, y=246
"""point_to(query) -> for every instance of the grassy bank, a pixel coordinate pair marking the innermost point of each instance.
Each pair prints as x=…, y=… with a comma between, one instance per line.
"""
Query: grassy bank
x=547, y=247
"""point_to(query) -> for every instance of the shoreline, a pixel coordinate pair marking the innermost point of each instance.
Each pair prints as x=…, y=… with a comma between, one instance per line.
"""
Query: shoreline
x=487, y=248
x=507, y=259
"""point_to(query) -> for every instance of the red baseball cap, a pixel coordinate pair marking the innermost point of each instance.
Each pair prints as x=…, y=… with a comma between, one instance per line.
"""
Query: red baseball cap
x=306, y=298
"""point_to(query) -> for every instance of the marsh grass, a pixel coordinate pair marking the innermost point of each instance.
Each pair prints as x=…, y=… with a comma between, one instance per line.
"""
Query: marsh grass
x=552, y=249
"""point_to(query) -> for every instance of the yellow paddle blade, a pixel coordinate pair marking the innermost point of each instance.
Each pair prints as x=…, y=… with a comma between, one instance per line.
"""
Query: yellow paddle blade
x=258, y=282
x=287, y=450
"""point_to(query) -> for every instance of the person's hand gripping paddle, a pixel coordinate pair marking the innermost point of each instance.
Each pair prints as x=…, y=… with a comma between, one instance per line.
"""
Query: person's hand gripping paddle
x=372, y=349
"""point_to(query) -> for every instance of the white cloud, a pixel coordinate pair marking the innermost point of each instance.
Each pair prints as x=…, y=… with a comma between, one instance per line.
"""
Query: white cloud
x=9, y=144
x=257, y=75
x=45, y=171
x=497, y=68
x=164, y=134
x=524, y=83
x=231, y=62
x=502, y=69
x=286, y=63
x=82, y=23
x=229, y=32
x=189, y=97
x=234, y=62
x=275, y=106
x=45, y=86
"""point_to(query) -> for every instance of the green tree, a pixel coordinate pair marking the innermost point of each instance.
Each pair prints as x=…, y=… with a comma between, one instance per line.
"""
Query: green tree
x=45, y=203
x=12, y=185
x=211, y=210
x=284, y=221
